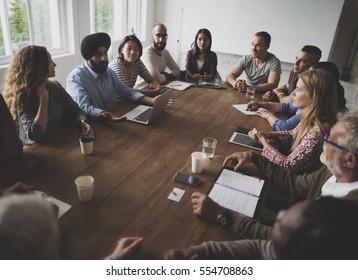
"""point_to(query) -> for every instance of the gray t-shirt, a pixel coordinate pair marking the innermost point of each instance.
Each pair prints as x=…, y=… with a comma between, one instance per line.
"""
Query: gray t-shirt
x=255, y=75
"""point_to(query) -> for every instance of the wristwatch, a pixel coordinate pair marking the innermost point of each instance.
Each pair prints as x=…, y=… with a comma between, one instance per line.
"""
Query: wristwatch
x=83, y=121
x=224, y=218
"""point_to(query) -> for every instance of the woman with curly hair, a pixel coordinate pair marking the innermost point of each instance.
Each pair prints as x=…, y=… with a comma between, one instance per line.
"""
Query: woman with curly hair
x=41, y=107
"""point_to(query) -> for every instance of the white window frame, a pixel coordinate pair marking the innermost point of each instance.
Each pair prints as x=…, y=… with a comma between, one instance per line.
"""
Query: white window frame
x=59, y=25
x=120, y=24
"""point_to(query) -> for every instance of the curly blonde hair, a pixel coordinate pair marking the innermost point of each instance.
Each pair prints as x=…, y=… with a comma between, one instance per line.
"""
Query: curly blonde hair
x=29, y=68
x=321, y=113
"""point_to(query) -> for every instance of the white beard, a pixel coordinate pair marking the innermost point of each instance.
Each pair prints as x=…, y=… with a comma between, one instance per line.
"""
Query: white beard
x=332, y=165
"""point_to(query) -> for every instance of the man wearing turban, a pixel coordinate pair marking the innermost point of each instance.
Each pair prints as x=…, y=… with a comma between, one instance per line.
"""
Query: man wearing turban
x=94, y=86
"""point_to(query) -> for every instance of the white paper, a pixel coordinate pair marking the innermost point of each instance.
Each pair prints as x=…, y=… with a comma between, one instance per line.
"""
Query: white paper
x=234, y=200
x=237, y=192
x=178, y=85
x=176, y=194
x=62, y=206
x=243, y=109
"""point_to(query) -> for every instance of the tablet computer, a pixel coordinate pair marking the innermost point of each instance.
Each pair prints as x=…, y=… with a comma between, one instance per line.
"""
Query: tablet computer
x=241, y=137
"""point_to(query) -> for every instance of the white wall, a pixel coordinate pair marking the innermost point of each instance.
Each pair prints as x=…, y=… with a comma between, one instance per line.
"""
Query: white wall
x=172, y=12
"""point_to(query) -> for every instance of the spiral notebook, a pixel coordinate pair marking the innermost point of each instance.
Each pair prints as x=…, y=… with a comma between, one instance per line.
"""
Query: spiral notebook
x=237, y=191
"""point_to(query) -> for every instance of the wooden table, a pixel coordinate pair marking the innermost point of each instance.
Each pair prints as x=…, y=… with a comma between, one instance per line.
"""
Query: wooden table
x=133, y=166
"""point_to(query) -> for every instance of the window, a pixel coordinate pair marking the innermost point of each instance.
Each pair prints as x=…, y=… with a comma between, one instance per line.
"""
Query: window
x=118, y=17
x=31, y=22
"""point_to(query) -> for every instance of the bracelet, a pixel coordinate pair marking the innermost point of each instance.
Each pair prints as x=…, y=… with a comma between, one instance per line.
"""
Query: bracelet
x=280, y=94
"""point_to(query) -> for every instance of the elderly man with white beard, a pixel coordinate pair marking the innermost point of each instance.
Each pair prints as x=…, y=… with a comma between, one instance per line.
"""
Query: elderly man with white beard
x=338, y=177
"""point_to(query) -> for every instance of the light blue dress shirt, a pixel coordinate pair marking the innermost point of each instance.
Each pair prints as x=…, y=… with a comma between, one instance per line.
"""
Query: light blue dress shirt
x=287, y=109
x=93, y=93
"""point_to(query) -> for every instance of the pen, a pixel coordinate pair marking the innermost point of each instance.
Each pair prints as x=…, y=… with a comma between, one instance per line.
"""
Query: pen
x=174, y=193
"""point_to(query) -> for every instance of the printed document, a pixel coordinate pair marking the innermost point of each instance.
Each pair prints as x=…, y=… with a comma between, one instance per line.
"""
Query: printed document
x=237, y=192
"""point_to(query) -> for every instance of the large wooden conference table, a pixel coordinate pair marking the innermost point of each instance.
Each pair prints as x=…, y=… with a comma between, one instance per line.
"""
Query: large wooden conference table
x=133, y=166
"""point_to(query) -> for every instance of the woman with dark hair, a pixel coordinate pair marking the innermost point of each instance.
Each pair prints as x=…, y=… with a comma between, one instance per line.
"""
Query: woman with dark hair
x=201, y=62
x=40, y=107
x=333, y=69
x=128, y=66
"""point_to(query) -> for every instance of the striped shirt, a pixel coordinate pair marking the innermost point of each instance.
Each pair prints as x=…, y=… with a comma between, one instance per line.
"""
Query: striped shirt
x=119, y=68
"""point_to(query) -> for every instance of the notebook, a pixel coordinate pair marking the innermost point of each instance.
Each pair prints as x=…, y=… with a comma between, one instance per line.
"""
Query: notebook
x=214, y=83
x=237, y=191
x=145, y=114
x=241, y=137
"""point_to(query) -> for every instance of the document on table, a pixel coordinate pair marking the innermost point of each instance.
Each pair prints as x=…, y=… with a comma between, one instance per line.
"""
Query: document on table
x=62, y=206
x=237, y=192
x=243, y=109
x=176, y=194
x=178, y=85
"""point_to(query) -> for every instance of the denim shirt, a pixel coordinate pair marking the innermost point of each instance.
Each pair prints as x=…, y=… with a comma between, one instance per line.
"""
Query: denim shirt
x=294, y=114
x=94, y=93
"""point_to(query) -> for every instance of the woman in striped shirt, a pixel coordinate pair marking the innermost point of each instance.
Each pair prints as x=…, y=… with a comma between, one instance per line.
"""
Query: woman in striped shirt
x=128, y=66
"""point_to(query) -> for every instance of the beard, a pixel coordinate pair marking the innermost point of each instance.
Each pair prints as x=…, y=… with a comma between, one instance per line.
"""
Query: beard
x=100, y=67
x=159, y=46
x=332, y=165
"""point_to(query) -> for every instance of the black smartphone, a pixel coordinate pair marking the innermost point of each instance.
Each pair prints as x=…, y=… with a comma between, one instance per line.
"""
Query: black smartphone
x=186, y=179
x=242, y=130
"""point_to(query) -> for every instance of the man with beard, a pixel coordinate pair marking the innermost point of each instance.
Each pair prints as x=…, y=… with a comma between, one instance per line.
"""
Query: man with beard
x=94, y=86
x=262, y=68
x=156, y=58
x=338, y=177
x=306, y=57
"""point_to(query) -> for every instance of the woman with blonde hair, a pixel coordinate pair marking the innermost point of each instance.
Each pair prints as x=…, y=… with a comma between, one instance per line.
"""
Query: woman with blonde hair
x=315, y=94
x=40, y=107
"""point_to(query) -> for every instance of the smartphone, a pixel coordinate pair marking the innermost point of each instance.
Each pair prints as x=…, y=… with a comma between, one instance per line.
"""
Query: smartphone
x=186, y=179
x=242, y=130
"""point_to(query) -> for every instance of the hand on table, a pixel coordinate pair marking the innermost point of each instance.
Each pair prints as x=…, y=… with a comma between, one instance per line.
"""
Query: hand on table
x=127, y=247
x=112, y=117
x=269, y=95
x=263, y=113
x=261, y=136
x=253, y=106
x=204, y=206
x=182, y=254
x=237, y=160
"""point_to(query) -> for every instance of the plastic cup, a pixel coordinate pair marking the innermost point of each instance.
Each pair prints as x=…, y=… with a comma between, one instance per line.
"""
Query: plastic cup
x=198, y=160
x=85, y=187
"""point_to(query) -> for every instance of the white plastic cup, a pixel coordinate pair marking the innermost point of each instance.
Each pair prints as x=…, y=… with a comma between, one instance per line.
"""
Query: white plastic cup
x=198, y=160
x=250, y=92
x=86, y=143
x=209, y=147
x=85, y=187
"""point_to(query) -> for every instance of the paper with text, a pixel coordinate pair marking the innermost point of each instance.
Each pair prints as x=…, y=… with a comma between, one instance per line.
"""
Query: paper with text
x=237, y=192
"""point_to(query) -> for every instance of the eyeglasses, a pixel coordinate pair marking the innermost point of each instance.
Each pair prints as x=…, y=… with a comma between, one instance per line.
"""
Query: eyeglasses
x=164, y=36
x=339, y=147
